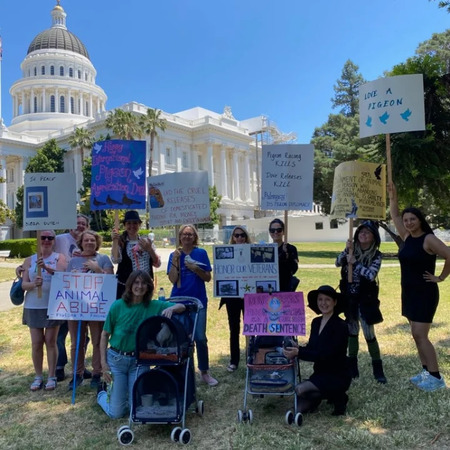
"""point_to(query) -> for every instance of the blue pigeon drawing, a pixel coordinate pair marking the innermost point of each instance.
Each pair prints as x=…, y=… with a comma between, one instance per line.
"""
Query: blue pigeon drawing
x=405, y=115
x=384, y=118
x=97, y=147
x=138, y=172
x=369, y=121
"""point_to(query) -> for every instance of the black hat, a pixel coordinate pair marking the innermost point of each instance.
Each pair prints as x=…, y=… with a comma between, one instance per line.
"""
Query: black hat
x=132, y=215
x=373, y=228
x=327, y=290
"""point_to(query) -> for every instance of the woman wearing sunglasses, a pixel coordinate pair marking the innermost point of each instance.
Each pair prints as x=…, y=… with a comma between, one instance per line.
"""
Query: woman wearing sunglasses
x=235, y=306
x=42, y=330
x=287, y=256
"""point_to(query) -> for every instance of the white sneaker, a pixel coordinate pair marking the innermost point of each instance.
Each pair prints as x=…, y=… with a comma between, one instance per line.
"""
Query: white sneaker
x=208, y=379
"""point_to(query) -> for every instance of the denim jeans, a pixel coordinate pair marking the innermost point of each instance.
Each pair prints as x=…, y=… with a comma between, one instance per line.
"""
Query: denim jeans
x=123, y=369
x=201, y=342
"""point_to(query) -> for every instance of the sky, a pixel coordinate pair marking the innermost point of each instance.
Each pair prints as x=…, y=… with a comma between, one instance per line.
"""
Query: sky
x=279, y=58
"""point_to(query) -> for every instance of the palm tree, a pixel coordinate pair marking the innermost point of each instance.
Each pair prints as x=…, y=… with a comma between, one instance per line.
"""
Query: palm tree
x=149, y=123
x=82, y=138
x=123, y=124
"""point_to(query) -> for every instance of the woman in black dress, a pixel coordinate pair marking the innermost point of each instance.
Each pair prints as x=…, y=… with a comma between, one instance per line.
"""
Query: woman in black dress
x=327, y=348
x=420, y=292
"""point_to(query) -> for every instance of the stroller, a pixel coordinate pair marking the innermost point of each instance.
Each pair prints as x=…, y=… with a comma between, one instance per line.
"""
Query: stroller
x=269, y=372
x=163, y=392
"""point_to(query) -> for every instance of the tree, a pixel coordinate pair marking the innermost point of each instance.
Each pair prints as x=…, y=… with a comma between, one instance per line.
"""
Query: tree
x=444, y=4
x=438, y=45
x=149, y=123
x=347, y=90
x=123, y=124
x=81, y=139
x=48, y=159
x=214, y=205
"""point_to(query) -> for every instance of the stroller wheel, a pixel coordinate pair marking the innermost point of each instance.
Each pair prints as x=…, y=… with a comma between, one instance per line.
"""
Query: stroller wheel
x=123, y=427
x=185, y=436
x=298, y=419
x=200, y=410
x=175, y=435
x=250, y=416
x=240, y=416
x=126, y=436
x=289, y=418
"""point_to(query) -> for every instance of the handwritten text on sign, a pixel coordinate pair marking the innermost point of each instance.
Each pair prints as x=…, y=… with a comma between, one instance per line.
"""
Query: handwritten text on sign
x=281, y=314
x=81, y=296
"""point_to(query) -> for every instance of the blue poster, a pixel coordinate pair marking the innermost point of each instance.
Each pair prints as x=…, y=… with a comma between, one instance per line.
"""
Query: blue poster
x=118, y=175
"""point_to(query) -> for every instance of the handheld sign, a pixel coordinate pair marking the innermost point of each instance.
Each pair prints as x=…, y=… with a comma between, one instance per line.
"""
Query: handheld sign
x=118, y=175
x=279, y=314
x=50, y=201
x=179, y=198
x=245, y=268
x=287, y=177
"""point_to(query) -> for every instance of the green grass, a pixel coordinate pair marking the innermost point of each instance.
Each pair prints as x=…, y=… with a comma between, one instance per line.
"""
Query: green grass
x=395, y=415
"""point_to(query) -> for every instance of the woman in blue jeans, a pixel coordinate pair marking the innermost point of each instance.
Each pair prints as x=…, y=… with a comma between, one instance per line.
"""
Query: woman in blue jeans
x=122, y=322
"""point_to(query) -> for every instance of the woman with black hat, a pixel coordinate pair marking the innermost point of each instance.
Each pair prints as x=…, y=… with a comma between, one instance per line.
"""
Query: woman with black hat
x=327, y=348
x=132, y=252
x=362, y=304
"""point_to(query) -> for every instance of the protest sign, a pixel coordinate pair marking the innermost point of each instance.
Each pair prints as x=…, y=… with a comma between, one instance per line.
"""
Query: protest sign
x=49, y=201
x=391, y=105
x=359, y=191
x=245, y=268
x=281, y=314
x=179, y=198
x=287, y=177
x=118, y=175
x=81, y=296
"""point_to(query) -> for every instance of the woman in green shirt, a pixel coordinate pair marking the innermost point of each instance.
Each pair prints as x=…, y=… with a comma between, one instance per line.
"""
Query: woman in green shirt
x=122, y=322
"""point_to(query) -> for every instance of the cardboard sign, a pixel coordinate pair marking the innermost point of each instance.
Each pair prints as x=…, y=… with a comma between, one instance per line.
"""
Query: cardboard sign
x=280, y=314
x=118, y=175
x=359, y=191
x=81, y=296
x=391, y=105
x=49, y=201
x=245, y=268
x=179, y=198
x=287, y=177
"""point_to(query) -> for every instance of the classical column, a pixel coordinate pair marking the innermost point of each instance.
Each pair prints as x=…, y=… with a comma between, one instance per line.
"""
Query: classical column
x=32, y=100
x=223, y=172
x=3, y=183
x=57, y=102
x=210, y=164
x=235, y=173
x=178, y=155
x=90, y=106
x=44, y=103
x=162, y=156
x=194, y=160
x=248, y=197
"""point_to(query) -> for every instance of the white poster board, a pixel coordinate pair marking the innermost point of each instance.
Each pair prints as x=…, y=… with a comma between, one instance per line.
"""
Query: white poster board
x=391, y=105
x=81, y=296
x=49, y=201
x=287, y=174
x=245, y=269
x=179, y=198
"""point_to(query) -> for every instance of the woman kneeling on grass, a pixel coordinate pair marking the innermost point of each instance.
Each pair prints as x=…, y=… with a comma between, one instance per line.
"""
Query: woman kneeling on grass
x=327, y=348
x=122, y=322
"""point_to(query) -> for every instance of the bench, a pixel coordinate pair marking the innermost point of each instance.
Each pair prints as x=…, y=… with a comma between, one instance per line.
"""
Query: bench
x=4, y=254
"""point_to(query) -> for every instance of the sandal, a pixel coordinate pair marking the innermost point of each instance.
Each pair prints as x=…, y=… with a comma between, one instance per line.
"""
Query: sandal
x=37, y=384
x=232, y=368
x=51, y=384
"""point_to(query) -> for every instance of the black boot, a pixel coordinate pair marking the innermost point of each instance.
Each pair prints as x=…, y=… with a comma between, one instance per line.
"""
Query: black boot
x=353, y=365
x=378, y=371
x=340, y=404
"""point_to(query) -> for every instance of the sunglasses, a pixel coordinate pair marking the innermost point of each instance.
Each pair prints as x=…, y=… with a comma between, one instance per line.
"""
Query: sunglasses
x=48, y=238
x=239, y=235
x=187, y=235
x=276, y=230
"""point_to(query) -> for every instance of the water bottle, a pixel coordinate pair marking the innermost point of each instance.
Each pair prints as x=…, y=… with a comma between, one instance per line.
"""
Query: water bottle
x=162, y=295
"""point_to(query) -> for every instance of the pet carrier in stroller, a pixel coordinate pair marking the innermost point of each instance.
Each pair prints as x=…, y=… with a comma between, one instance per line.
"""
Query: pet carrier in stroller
x=165, y=386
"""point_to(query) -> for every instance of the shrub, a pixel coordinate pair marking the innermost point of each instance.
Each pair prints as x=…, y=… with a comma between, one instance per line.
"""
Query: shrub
x=19, y=247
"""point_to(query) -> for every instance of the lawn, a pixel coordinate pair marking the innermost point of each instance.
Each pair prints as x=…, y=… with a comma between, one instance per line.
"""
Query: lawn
x=395, y=415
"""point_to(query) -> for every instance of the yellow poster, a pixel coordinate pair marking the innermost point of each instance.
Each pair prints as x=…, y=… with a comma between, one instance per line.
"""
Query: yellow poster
x=359, y=191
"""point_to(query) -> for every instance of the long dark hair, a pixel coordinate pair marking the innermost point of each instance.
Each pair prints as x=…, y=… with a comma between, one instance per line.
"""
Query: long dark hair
x=423, y=222
x=278, y=221
x=147, y=279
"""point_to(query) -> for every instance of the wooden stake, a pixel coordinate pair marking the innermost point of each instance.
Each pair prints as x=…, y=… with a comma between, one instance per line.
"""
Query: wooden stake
x=388, y=158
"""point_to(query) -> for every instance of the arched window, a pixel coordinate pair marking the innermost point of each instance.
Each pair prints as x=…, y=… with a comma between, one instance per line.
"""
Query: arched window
x=35, y=104
x=70, y=72
x=87, y=109
x=35, y=71
x=85, y=76
x=72, y=105
x=79, y=74
x=61, y=71
x=61, y=104
x=52, y=103
x=43, y=70
x=52, y=70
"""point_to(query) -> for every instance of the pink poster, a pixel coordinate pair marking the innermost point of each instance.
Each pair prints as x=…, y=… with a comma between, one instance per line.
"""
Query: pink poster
x=278, y=314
